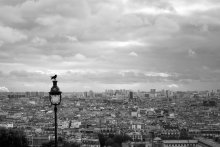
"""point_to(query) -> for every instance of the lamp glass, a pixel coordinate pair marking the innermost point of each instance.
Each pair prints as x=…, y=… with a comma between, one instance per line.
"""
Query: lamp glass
x=55, y=99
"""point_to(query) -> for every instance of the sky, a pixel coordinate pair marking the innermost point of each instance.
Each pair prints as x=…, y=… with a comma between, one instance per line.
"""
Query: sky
x=109, y=44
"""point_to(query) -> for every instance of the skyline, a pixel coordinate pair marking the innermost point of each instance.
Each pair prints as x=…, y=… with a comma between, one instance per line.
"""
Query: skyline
x=113, y=44
x=119, y=90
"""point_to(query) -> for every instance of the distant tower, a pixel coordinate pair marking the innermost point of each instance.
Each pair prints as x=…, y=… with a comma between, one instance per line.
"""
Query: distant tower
x=168, y=100
x=157, y=142
x=85, y=94
x=91, y=94
x=131, y=95
x=212, y=93
x=167, y=95
x=153, y=91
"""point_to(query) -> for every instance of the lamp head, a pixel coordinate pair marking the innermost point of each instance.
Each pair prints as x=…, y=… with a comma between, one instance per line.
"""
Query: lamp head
x=55, y=94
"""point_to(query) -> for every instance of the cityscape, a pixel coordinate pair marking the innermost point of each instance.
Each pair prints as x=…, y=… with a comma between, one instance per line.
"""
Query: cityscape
x=180, y=118
x=109, y=73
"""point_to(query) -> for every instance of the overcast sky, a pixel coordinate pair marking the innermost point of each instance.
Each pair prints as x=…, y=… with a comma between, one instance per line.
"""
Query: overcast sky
x=109, y=44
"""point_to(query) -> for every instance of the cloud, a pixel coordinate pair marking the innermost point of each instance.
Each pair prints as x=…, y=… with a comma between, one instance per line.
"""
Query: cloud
x=89, y=75
x=119, y=44
x=191, y=53
x=93, y=41
x=133, y=54
x=79, y=56
x=155, y=74
x=173, y=86
x=12, y=2
x=1, y=43
x=39, y=41
x=204, y=28
x=4, y=89
x=10, y=35
x=148, y=7
x=186, y=8
x=72, y=38
x=166, y=24
x=49, y=20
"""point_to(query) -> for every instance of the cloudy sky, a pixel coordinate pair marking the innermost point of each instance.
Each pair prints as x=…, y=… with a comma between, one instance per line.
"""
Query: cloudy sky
x=109, y=44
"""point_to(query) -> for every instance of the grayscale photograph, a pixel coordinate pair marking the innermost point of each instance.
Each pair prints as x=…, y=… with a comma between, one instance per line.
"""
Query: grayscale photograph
x=109, y=73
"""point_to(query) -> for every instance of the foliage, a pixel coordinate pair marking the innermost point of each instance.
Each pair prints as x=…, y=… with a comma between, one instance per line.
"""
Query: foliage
x=184, y=134
x=61, y=143
x=102, y=140
x=12, y=138
x=216, y=139
x=48, y=144
x=209, y=103
x=113, y=140
x=141, y=145
x=109, y=142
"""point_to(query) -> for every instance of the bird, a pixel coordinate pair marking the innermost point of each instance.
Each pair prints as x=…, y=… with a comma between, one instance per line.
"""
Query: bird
x=54, y=77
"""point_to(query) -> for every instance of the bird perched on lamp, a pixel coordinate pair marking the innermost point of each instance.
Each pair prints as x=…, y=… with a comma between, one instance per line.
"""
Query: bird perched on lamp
x=54, y=77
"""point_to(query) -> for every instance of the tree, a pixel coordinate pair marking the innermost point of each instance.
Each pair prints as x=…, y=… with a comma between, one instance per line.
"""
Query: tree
x=118, y=139
x=141, y=145
x=115, y=145
x=12, y=138
x=102, y=140
x=70, y=144
x=48, y=144
x=184, y=134
x=60, y=143
x=109, y=142
x=113, y=140
x=126, y=138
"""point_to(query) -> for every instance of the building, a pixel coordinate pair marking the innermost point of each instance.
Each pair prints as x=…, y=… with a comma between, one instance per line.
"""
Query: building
x=153, y=93
x=34, y=94
x=136, y=144
x=16, y=95
x=131, y=96
x=180, y=143
x=90, y=142
x=37, y=141
x=157, y=142
x=85, y=94
x=203, y=142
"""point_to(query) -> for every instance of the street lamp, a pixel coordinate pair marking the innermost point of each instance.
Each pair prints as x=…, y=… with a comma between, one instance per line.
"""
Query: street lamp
x=55, y=99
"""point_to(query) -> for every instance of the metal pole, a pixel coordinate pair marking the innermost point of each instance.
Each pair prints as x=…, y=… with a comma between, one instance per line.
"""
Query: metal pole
x=55, y=112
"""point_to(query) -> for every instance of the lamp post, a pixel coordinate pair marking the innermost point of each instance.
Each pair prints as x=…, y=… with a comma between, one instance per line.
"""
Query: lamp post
x=55, y=99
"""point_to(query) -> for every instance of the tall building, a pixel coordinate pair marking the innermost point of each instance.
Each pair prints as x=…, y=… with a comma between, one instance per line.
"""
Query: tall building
x=34, y=94
x=153, y=91
x=16, y=95
x=91, y=94
x=85, y=94
x=131, y=95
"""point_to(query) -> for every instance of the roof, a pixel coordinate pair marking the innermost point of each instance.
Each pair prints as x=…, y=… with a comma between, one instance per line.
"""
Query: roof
x=180, y=141
x=208, y=142
x=157, y=139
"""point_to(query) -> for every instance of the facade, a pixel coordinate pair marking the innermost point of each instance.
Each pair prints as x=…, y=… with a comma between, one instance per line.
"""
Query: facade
x=37, y=141
x=16, y=95
x=180, y=143
x=203, y=142
x=136, y=144
x=131, y=95
x=90, y=143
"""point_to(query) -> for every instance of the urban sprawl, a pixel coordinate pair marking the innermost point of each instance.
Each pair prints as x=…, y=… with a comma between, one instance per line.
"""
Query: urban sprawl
x=151, y=119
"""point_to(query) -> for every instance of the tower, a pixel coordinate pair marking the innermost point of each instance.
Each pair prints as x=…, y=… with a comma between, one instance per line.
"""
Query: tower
x=131, y=96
